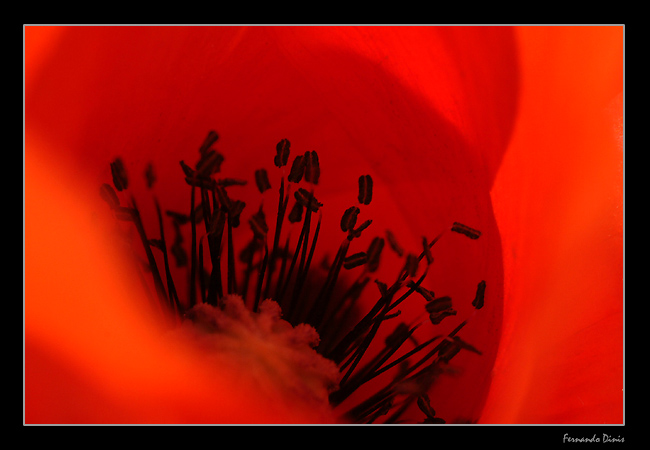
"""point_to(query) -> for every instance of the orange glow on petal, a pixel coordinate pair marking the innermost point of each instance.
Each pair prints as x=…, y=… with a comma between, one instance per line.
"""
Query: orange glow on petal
x=558, y=201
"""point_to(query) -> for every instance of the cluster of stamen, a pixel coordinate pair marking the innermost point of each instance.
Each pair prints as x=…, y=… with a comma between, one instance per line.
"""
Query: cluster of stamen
x=276, y=271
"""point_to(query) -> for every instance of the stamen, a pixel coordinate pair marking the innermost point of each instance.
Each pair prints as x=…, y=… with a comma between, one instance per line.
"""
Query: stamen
x=467, y=231
x=367, y=407
x=405, y=356
x=437, y=317
x=210, y=139
x=149, y=175
x=258, y=224
x=209, y=163
x=392, y=241
x=171, y=288
x=120, y=180
x=179, y=218
x=205, y=209
x=282, y=208
x=204, y=297
x=338, y=311
x=303, y=271
x=427, y=250
x=365, y=189
x=215, y=236
x=480, y=296
x=201, y=182
x=197, y=214
x=160, y=289
x=262, y=180
x=301, y=267
x=226, y=182
x=307, y=199
x=325, y=293
x=283, y=153
x=425, y=406
x=448, y=350
x=296, y=213
x=260, y=279
x=193, y=250
x=381, y=410
x=283, y=267
x=108, y=194
x=355, y=260
x=215, y=289
x=357, y=233
x=187, y=170
x=399, y=335
x=442, y=345
x=246, y=256
x=232, y=283
x=383, y=288
x=411, y=265
x=412, y=288
x=234, y=212
x=346, y=343
x=390, y=316
x=370, y=336
x=464, y=345
x=428, y=295
x=374, y=252
x=217, y=222
x=224, y=200
x=438, y=305
x=392, y=343
x=178, y=252
x=393, y=419
x=312, y=167
x=291, y=267
x=156, y=243
x=349, y=219
x=297, y=169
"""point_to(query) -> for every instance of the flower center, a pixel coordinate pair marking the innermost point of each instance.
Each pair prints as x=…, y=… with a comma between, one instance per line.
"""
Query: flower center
x=310, y=350
x=284, y=354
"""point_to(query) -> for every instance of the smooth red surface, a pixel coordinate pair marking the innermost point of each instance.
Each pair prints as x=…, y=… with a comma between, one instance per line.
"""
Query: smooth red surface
x=429, y=112
x=559, y=204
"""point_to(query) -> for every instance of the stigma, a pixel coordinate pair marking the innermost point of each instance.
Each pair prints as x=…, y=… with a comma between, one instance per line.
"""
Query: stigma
x=285, y=354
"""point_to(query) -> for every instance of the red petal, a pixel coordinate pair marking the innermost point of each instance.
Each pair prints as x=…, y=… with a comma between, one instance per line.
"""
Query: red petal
x=559, y=204
x=429, y=112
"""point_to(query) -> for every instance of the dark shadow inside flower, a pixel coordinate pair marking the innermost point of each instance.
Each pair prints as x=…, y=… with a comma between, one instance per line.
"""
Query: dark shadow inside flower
x=145, y=97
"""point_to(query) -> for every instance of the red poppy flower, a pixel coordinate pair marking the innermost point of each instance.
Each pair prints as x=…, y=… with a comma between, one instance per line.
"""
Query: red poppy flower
x=489, y=126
